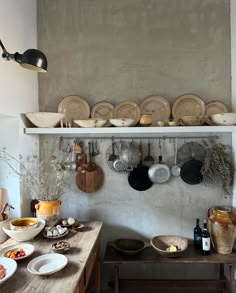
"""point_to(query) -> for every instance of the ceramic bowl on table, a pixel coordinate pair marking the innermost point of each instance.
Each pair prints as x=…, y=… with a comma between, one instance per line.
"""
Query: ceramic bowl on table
x=23, y=223
x=92, y=122
x=169, y=245
x=61, y=247
x=25, y=234
x=122, y=122
x=45, y=119
x=223, y=119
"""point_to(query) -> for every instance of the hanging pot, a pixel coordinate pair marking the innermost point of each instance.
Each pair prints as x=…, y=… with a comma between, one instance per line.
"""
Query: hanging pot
x=191, y=172
x=138, y=178
x=129, y=154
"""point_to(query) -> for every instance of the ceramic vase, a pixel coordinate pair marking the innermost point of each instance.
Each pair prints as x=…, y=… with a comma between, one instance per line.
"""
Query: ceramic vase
x=48, y=210
x=222, y=228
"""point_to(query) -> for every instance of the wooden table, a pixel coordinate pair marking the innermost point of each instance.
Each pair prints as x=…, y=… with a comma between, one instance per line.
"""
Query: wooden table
x=190, y=256
x=83, y=257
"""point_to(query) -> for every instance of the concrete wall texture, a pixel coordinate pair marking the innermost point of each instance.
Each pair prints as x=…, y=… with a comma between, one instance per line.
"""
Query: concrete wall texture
x=127, y=50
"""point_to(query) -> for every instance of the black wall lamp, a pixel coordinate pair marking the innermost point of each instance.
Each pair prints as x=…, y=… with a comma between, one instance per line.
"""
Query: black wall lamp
x=32, y=59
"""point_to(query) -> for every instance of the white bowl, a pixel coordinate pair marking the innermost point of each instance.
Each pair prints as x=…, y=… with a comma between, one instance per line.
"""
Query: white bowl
x=23, y=235
x=44, y=119
x=92, y=122
x=122, y=122
x=23, y=223
x=224, y=118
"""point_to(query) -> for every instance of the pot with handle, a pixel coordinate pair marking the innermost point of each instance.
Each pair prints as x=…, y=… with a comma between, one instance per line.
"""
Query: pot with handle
x=138, y=178
x=191, y=170
x=159, y=172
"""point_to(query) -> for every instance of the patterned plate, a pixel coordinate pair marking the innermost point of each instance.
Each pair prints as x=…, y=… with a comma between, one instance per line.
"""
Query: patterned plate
x=103, y=110
x=188, y=105
x=156, y=106
x=215, y=107
x=127, y=109
x=74, y=108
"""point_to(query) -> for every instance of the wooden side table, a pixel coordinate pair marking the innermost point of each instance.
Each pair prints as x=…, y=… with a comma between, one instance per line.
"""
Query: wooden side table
x=190, y=256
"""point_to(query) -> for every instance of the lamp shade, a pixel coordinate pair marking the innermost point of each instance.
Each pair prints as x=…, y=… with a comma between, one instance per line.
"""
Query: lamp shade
x=34, y=59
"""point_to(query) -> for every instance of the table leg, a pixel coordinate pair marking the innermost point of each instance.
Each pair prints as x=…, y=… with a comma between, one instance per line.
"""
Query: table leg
x=231, y=279
x=116, y=278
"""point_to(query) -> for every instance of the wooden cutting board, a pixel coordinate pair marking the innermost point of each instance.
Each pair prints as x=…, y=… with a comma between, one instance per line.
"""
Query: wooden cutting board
x=89, y=177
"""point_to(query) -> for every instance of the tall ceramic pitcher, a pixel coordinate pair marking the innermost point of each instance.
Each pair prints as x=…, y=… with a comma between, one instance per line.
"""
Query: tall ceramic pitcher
x=222, y=227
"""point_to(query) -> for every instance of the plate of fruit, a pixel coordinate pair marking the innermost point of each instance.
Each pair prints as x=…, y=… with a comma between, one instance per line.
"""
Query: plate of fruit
x=17, y=251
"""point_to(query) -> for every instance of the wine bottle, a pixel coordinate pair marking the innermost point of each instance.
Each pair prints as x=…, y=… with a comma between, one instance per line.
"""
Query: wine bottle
x=206, y=241
x=197, y=231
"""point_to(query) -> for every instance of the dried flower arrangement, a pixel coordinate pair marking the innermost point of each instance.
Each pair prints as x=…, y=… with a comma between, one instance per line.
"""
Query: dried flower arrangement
x=45, y=180
x=218, y=166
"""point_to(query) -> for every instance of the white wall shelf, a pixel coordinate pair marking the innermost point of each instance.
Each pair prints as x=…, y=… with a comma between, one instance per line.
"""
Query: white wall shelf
x=134, y=131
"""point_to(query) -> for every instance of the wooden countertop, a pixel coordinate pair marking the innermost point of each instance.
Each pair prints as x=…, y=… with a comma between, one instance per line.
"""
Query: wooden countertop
x=65, y=280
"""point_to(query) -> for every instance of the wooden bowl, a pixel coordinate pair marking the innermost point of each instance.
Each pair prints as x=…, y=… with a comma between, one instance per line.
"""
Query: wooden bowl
x=162, y=242
x=128, y=246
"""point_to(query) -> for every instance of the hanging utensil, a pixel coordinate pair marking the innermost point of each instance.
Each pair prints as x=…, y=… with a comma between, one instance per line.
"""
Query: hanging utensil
x=138, y=178
x=112, y=157
x=148, y=160
x=175, y=170
x=159, y=173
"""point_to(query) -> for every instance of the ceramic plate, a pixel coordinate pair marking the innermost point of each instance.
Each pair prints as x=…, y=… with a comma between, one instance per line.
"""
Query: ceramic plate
x=74, y=108
x=156, y=106
x=103, y=110
x=188, y=105
x=54, y=237
x=28, y=249
x=47, y=264
x=10, y=266
x=215, y=107
x=127, y=109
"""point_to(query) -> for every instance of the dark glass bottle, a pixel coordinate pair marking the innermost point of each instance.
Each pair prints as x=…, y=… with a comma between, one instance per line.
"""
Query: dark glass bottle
x=206, y=241
x=197, y=235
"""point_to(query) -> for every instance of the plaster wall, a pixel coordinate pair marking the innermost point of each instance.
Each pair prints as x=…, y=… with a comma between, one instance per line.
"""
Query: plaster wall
x=19, y=93
x=127, y=50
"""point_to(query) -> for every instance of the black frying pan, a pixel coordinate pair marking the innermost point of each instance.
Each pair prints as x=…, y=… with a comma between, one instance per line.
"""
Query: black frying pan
x=191, y=172
x=138, y=178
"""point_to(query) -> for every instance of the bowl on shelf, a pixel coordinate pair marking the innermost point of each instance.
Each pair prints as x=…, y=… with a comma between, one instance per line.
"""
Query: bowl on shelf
x=169, y=245
x=25, y=234
x=91, y=122
x=192, y=120
x=23, y=223
x=122, y=122
x=44, y=119
x=223, y=119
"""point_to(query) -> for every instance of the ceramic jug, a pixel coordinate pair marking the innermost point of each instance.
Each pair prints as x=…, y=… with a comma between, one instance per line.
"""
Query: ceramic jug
x=222, y=228
x=48, y=210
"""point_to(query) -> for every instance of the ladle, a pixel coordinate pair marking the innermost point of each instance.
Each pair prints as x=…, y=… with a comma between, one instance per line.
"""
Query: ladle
x=175, y=170
x=148, y=160
x=113, y=156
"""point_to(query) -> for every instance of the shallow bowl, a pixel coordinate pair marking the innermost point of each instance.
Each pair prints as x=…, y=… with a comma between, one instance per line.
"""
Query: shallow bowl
x=223, y=118
x=162, y=242
x=44, y=119
x=25, y=234
x=122, y=122
x=23, y=223
x=192, y=120
x=61, y=247
x=92, y=122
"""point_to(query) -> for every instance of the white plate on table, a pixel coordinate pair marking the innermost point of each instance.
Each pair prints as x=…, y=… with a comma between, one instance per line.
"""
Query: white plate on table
x=10, y=265
x=28, y=249
x=47, y=264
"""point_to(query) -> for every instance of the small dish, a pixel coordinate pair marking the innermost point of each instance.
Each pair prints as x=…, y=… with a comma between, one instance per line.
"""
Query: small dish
x=122, y=122
x=10, y=266
x=91, y=122
x=27, y=248
x=78, y=227
x=47, y=264
x=61, y=246
x=54, y=237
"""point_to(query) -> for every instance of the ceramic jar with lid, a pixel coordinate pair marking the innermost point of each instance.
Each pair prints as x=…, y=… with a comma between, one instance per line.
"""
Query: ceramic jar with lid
x=222, y=228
